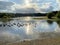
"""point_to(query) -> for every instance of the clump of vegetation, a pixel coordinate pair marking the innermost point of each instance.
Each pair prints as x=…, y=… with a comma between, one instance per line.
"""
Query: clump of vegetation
x=50, y=15
x=6, y=16
x=58, y=14
x=53, y=14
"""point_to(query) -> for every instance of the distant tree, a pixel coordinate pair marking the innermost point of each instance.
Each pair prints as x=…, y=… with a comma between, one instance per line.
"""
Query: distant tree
x=6, y=16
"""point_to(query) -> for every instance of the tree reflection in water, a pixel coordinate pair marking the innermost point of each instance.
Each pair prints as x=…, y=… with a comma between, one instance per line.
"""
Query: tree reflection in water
x=58, y=22
x=50, y=22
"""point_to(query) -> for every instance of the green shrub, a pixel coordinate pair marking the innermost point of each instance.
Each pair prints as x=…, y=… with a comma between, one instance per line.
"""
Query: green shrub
x=58, y=15
x=50, y=15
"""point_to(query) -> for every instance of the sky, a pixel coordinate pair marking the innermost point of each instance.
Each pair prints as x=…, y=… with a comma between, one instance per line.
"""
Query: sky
x=29, y=6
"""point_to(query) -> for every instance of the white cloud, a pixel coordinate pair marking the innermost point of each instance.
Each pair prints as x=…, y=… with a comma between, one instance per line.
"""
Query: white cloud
x=3, y=0
x=6, y=6
x=58, y=2
x=27, y=7
x=46, y=7
x=33, y=8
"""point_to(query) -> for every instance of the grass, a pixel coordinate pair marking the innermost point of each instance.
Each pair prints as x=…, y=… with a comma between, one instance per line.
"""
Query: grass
x=45, y=18
x=39, y=18
x=47, y=41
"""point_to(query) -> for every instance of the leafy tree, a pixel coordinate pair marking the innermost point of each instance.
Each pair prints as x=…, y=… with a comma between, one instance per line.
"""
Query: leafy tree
x=52, y=14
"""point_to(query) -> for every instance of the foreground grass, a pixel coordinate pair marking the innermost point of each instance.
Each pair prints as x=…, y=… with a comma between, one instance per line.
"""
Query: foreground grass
x=47, y=41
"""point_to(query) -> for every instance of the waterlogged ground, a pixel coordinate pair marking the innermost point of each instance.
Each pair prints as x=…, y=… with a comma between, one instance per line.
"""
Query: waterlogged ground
x=26, y=28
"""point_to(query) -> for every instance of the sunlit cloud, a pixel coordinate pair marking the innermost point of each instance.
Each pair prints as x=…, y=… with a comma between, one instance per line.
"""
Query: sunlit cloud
x=27, y=2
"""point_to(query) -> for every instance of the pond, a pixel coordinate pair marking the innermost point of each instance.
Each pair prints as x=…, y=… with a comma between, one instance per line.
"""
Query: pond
x=27, y=28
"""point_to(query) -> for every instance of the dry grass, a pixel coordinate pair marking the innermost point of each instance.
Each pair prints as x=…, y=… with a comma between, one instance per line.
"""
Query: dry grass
x=48, y=41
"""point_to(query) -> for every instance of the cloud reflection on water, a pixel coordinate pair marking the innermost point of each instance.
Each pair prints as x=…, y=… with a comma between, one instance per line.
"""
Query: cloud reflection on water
x=29, y=30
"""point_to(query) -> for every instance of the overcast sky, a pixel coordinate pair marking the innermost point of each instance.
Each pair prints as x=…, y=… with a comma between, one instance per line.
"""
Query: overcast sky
x=29, y=6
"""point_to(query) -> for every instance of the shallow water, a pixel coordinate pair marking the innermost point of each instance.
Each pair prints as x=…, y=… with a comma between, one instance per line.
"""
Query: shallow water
x=26, y=29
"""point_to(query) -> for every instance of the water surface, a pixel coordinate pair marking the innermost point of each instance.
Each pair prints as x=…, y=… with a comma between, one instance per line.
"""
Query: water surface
x=26, y=28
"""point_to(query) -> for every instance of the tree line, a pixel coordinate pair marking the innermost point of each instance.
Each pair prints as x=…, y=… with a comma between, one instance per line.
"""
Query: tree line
x=49, y=15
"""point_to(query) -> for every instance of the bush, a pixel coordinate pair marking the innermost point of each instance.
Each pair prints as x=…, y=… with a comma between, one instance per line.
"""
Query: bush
x=58, y=15
x=6, y=16
x=50, y=15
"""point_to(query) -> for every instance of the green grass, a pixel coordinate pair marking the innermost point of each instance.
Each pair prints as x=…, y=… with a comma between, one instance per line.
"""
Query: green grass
x=45, y=18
